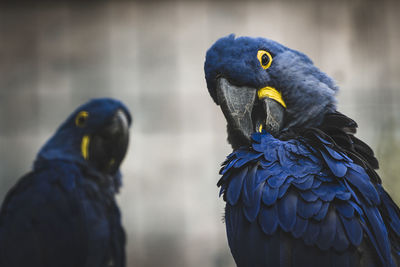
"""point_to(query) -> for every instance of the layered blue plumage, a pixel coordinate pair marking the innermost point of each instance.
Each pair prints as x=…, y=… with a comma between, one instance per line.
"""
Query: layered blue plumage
x=307, y=195
x=63, y=212
x=319, y=196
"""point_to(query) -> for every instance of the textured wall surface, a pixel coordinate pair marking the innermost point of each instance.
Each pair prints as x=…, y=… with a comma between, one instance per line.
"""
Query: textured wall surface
x=53, y=57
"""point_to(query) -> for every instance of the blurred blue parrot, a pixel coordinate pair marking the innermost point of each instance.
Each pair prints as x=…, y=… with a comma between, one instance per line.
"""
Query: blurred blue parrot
x=63, y=212
x=300, y=188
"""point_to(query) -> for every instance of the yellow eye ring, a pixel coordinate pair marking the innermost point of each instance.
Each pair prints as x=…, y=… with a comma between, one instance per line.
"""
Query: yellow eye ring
x=265, y=58
x=81, y=118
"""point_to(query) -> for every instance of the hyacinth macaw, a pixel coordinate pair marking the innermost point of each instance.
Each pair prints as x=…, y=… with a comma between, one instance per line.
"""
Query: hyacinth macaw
x=300, y=188
x=63, y=212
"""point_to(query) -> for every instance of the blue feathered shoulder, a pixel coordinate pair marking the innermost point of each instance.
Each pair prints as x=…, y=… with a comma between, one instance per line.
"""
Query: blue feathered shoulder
x=61, y=204
x=315, y=193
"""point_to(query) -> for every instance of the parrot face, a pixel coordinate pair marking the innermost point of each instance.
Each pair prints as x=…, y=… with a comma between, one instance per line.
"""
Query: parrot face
x=261, y=84
x=95, y=134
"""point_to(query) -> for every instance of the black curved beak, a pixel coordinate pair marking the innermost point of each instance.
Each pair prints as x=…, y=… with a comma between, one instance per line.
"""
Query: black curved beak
x=246, y=113
x=237, y=105
x=108, y=147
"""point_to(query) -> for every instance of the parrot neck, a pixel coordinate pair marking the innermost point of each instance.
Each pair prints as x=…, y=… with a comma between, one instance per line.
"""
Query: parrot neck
x=109, y=184
x=62, y=146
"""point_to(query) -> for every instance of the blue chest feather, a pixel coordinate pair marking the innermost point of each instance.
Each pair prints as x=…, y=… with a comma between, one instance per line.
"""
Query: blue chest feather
x=288, y=191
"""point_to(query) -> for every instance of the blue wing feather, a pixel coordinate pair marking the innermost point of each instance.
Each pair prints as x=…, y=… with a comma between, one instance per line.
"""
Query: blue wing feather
x=337, y=167
x=308, y=196
x=287, y=211
x=334, y=154
x=269, y=219
x=235, y=187
x=322, y=211
x=300, y=227
x=328, y=231
x=307, y=209
x=311, y=233
x=251, y=211
x=341, y=241
x=362, y=182
x=270, y=195
x=283, y=189
x=249, y=186
x=331, y=209
x=307, y=184
x=345, y=209
x=390, y=210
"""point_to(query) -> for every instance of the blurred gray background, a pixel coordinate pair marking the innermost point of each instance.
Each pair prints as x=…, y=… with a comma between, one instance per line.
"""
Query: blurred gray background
x=149, y=54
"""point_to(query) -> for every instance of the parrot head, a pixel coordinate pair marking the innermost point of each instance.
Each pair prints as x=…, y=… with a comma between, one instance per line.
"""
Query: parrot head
x=263, y=85
x=96, y=135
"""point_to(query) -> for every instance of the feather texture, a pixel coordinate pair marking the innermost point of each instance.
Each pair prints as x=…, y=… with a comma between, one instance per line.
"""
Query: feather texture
x=316, y=195
x=68, y=220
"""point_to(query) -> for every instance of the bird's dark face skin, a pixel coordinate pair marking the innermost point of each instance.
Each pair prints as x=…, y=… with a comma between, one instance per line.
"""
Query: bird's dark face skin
x=263, y=85
x=96, y=135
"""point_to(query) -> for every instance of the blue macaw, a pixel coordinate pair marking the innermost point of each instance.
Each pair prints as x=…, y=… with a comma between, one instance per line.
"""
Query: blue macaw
x=63, y=212
x=300, y=188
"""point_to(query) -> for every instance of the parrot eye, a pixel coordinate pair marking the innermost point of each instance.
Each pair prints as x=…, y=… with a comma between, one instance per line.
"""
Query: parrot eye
x=265, y=58
x=81, y=118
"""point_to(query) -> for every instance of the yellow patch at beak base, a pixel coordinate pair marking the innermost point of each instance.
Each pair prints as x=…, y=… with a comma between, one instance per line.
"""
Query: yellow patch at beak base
x=85, y=147
x=272, y=93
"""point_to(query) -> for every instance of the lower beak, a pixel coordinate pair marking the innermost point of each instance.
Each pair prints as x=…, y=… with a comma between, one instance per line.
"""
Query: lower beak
x=274, y=115
x=246, y=113
x=237, y=105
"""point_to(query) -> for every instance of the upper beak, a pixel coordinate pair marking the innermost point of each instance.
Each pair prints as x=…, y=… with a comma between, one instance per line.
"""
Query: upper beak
x=248, y=110
x=108, y=148
x=237, y=105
